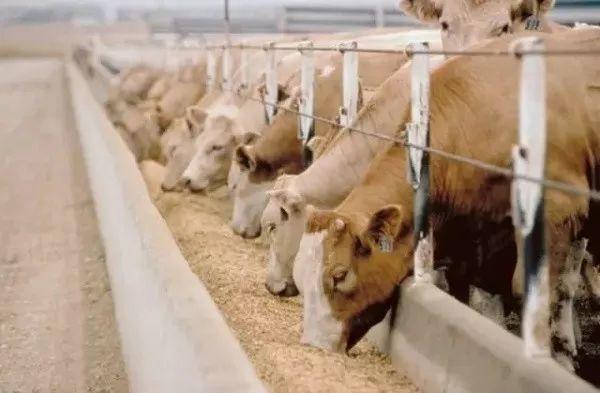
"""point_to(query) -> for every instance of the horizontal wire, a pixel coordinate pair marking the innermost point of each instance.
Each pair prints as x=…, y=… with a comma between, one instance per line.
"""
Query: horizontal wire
x=506, y=172
x=410, y=52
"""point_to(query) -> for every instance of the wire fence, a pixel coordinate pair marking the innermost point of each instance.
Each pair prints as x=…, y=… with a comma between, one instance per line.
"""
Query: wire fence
x=503, y=171
x=506, y=172
x=408, y=51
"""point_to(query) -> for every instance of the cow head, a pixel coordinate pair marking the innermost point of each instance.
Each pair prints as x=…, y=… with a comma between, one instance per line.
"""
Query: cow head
x=249, y=199
x=351, y=273
x=284, y=220
x=210, y=164
x=159, y=88
x=466, y=22
x=277, y=152
x=177, y=145
x=135, y=85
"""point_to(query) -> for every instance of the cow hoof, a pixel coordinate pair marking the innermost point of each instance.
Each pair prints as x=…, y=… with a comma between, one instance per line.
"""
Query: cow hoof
x=290, y=290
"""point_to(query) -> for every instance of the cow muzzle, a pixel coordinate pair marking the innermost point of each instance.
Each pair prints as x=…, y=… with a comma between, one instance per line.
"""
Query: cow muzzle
x=287, y=289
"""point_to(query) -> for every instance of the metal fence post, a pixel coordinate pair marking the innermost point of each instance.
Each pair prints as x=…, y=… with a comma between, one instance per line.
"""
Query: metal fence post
x=227, y=69
x=418, y=162
x=171, y=62
x=244, y=77
x=529, y=158
x=271, y=93
x=211, y=69
x=306, y=124
x=350, y=85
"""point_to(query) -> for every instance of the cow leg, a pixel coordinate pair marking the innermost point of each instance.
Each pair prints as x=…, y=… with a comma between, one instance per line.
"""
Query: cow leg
x=563, y=319
x=441, y=280
x=591, y=273
x=518, y=279
x=486, y=304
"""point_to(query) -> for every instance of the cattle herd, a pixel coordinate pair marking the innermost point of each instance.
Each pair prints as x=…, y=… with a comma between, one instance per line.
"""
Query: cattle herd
x=340, y=230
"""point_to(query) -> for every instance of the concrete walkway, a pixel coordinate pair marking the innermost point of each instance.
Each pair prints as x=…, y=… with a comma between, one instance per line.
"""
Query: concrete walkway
x=57, y=330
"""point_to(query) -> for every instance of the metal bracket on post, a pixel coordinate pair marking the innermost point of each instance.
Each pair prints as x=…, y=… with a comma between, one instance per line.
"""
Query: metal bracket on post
x=211, y=69
x=271, y=93
x=227, y=69
x=306, y=105
x=418, y=163
x=529, y=159
x=349, y=109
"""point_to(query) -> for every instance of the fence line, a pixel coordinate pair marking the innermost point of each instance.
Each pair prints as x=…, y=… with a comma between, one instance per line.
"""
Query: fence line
x=503, y=171
x=410, y=52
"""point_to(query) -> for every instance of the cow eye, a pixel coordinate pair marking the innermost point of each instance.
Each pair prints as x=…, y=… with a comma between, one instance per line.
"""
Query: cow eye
x=505, y=28
x=217, y=148
x=445, y=26
x=284, y=214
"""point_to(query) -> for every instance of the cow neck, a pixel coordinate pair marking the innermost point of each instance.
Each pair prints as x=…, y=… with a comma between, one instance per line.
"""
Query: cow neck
x=384, y=184
x=279, y=143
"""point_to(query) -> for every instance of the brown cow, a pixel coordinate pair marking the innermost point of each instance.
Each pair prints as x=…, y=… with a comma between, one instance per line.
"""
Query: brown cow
x=363, y=249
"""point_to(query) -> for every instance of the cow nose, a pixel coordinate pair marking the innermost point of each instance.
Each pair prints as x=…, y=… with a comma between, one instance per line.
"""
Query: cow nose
x=247, y=234
x=290, y=290
x=185, y=182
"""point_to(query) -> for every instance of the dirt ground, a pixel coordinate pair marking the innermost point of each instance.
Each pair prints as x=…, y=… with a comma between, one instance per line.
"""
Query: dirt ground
x=268, y=327
x=57, y=330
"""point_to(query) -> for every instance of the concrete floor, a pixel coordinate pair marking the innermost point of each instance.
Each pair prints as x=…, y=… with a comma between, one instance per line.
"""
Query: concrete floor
x=57, y=327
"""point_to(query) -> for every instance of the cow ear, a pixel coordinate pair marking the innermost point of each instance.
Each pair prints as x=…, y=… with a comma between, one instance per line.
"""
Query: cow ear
x=249, y=138
x=315, y=143
x=544, y=6
x=245, y=156
x=427, y=11
x=289, y=200
x=195, y=117
x=321, y=220
x=282, y=93
x=384, y=227
x=524, y=9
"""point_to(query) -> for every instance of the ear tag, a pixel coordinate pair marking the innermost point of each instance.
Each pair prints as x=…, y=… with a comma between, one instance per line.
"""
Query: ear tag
x=385, y=244
x=532, y=23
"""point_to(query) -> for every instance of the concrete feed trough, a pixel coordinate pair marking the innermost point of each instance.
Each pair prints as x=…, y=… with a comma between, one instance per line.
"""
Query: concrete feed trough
x=174, y=337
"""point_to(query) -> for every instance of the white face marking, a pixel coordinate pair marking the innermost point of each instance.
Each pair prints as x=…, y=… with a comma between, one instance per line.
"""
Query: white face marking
x=212, y=159
x=177, y=147
x=249, y=201
x=320, y=328
x=308, y=251
x=284, y=241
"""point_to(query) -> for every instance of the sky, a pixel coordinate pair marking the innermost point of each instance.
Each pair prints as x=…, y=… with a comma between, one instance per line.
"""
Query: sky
x=194, y=3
